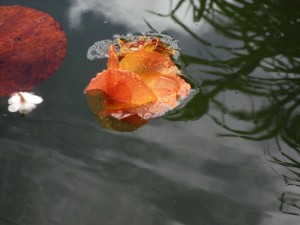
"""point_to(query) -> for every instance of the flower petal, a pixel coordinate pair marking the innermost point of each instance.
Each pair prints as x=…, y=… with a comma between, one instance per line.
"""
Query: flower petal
x=113, y=62
x=141, y=62
x=169, y=89
x=26, y=108
x=122, y=86
x=141, y=83
x=14, y=107
x=31, y=98
x=159, y=108
x=14, y=99
x=161, y=84
x=164, y=84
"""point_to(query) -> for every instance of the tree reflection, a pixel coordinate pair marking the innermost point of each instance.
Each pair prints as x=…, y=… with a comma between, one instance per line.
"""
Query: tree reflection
x=289, y=200
x=263, y=62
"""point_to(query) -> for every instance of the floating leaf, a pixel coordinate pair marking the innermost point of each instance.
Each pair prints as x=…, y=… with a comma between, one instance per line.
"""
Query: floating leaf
x=32, y=47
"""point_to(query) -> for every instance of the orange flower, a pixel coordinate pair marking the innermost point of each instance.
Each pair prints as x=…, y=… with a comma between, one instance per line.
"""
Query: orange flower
x=141, y=81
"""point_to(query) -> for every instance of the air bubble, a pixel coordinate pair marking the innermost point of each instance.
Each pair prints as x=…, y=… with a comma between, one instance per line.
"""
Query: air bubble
x=147, y=116
x=99, y=50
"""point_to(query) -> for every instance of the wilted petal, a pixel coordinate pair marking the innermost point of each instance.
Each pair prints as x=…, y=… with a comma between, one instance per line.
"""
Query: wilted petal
x=14, y=107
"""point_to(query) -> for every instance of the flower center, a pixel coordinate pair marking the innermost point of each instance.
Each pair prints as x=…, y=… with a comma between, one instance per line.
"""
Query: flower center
x=22, y=97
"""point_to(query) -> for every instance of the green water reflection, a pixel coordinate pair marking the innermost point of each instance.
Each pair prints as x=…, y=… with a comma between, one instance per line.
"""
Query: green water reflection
x=265, y=64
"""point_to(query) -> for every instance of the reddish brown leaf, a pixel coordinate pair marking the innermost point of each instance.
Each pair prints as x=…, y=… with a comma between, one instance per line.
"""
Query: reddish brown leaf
x=32, y=47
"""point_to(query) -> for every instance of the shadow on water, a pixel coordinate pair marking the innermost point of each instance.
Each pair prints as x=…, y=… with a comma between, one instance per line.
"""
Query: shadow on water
x=264, y=66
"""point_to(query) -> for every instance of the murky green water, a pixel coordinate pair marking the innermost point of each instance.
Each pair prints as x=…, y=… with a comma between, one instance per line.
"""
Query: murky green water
x=229, y=156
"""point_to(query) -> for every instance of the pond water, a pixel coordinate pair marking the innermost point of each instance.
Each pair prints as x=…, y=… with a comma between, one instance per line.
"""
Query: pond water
x=229, y=156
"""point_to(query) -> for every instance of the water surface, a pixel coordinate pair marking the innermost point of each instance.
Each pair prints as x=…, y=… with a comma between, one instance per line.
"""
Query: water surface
x=229, y=156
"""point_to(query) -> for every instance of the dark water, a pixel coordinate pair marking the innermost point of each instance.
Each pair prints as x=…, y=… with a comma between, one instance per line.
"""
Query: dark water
x=230, y=156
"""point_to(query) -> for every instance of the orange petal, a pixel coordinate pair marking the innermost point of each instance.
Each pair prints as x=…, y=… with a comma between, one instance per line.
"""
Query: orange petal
x=122, y=86
x=169, y=89
x=161, y=84
x=150, y=47
x=158, y=108
x=165, y=84
x=113, y=62
x=141, y=62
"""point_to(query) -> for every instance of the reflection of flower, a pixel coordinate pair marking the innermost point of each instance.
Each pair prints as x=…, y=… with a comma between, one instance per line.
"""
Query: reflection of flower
x=23, y=102
x=141, y=80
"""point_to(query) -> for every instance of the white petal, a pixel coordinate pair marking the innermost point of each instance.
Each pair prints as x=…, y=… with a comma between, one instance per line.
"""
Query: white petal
x=26, y=108
x=14, y=107
x=14, y=99
x=35, y=99
x=31, y=98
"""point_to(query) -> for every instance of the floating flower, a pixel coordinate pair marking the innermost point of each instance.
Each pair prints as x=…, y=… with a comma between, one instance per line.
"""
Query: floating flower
x=140, y=83
x=32, y=47
x=23, y=102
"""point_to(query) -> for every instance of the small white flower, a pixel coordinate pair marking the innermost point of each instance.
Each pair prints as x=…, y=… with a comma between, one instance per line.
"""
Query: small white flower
x=24, y=102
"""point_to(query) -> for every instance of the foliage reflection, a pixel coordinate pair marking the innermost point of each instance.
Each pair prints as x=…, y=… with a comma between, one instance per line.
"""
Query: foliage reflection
x=263, y=62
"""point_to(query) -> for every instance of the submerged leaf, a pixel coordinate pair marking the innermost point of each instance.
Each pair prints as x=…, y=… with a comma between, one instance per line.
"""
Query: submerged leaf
x=126, y=124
